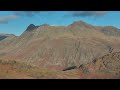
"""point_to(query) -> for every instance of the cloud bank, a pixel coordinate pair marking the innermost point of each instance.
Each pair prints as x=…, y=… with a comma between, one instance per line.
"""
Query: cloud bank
x=88, y=13
x=27, y=13
x=6, y=19
x=70, y=13
x=17, y=14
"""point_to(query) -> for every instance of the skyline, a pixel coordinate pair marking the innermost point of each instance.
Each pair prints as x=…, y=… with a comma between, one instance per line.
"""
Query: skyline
x=16, y=22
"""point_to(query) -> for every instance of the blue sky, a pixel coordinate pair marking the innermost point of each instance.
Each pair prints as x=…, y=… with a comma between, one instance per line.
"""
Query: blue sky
x=15, y=22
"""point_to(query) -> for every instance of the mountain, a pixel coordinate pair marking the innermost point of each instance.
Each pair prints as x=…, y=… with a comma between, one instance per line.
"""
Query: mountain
x=6, y=36
x=81, y=24
x=60, y=47
x=31, y=27
x=6, y=40
x=110, y=30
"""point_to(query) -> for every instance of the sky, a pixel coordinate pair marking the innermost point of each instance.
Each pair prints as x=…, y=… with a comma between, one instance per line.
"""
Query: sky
x=16, y=22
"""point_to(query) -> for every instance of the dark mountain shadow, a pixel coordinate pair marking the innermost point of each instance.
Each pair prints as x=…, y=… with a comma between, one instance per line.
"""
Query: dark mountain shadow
x=2, y=37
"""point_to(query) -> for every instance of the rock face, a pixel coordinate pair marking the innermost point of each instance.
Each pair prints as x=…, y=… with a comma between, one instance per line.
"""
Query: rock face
x=62, y=46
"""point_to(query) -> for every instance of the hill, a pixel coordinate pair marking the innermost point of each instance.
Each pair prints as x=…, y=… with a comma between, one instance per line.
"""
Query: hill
x=6, y=36
x=61, y=47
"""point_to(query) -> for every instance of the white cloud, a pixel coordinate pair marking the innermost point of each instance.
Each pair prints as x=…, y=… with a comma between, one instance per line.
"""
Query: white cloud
x=6, y=19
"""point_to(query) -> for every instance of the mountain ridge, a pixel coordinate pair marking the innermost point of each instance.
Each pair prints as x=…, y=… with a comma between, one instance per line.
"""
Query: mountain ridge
x=107, y=30
x=4, y=36
x=62, y=46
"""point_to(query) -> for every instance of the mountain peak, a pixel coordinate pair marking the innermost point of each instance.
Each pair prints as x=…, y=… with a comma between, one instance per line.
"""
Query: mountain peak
x=79, y=23
x=31, y=27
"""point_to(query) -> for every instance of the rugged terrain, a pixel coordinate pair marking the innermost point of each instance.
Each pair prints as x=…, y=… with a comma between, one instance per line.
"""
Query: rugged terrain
x=78, y=45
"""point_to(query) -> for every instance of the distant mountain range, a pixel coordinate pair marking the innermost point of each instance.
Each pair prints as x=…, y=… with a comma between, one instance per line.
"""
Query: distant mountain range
x=5, y=36
x=60, y=47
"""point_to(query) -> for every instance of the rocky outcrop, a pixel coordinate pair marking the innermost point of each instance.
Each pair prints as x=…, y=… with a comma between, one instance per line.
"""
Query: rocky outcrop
x=109, y=63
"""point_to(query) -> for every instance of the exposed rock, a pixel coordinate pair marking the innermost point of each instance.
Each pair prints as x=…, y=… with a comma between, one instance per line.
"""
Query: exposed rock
x=109, y=63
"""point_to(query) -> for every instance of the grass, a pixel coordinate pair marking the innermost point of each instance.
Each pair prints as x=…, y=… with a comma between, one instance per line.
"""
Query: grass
x=18, y=70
